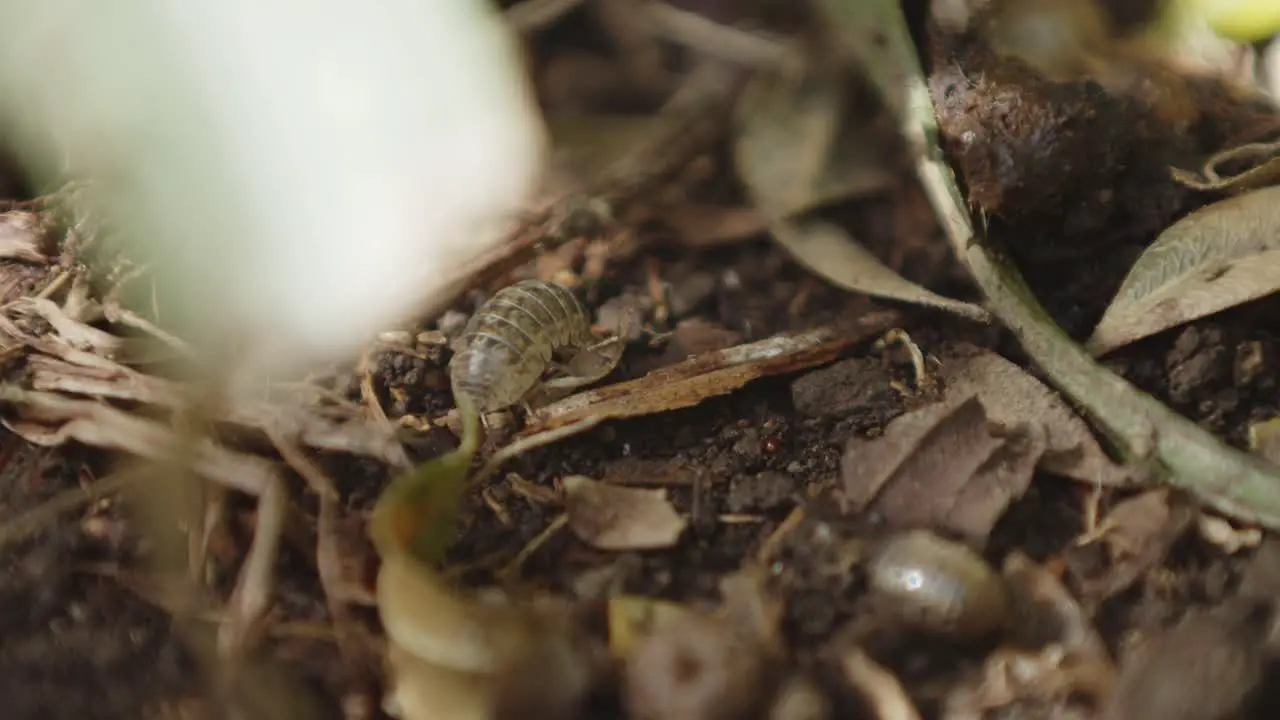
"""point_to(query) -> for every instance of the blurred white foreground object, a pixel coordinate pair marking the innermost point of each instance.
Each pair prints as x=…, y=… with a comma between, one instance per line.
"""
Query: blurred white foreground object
x=300, y=174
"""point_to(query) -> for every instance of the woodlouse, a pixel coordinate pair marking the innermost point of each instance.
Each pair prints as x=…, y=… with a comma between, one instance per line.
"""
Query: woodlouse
x=514, y=338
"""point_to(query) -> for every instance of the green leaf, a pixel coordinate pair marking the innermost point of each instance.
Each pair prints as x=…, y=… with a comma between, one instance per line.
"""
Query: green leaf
x=417, y=514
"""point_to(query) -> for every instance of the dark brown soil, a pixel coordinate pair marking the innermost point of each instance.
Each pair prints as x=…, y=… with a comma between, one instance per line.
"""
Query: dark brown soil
x=77, y=644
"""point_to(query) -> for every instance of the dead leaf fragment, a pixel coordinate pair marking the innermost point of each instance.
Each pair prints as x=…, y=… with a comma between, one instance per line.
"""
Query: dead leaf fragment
x=944, y=466
x=22, y=237
x=608, y=517
x=1218, y=257
x=797, y=147
x=1136, y=536
x=1230, y=540
x=1011, y=396
x=1264, y=439
x=1014, y=678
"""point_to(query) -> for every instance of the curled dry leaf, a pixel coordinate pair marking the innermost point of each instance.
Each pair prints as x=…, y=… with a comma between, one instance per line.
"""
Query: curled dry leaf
x=945, y=465
x=1265, y=172
x=620, y=518
x=1011, y=395
x=796, y=147
x=1218, y=257
x=588, y=145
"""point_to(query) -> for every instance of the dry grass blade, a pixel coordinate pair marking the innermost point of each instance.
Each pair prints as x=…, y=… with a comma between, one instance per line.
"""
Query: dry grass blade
x=51, y=420
x=32, y=521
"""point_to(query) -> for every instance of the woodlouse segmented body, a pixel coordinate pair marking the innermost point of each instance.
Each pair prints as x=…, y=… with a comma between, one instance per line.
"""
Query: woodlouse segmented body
x=511, y=341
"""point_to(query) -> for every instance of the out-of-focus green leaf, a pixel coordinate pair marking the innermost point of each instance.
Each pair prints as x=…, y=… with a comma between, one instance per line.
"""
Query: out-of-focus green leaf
x=417, y=514
x=1218, y=257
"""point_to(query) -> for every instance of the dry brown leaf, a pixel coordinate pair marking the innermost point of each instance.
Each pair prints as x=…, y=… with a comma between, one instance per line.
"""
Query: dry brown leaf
x=1011, y=396
x=706, y=226
x=1137, y=535
x=608, y=517
x=943, y=466
x=708, y=375
x=1218, y=257
x=694, y=336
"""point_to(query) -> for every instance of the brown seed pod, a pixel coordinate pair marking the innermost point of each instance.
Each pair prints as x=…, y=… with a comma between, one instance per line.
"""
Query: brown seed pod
x=938, y=586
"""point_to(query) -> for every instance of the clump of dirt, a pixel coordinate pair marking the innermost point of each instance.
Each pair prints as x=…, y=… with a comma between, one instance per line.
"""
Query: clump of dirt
x=1065, y=146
